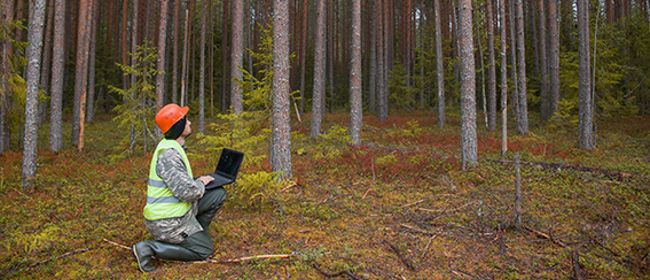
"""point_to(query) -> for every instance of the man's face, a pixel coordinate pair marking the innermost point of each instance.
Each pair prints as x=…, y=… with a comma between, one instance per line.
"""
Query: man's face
x=188, y=129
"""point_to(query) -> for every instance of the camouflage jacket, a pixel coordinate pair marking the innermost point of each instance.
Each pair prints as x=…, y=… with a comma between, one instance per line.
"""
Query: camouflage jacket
x=171, y=168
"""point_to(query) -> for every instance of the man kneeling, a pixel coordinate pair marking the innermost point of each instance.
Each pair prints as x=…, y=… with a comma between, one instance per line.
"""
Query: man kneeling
x=179, y=210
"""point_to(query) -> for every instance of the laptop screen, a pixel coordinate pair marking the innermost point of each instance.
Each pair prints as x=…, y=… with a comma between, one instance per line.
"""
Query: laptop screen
x=229, y=162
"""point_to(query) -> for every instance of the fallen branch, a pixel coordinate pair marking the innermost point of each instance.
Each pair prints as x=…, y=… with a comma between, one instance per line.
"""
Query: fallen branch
x=424, y=252
x=417, y=230
x=412, y=203
x=117, y=244
x=400, y=256
x=366, y=193
x=546, y=236
x=576, y=263
x=289, y=186
x=462, y=274
x=251, y=258
x=332, y=275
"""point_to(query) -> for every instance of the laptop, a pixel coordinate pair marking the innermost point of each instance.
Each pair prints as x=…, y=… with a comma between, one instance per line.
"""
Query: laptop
x=227, y=168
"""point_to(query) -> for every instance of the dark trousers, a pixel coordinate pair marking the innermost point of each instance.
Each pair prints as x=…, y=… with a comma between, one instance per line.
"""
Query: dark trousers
x=200, y=243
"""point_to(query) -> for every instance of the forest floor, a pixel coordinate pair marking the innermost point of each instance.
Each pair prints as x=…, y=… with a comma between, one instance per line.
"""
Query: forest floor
x=398, y=206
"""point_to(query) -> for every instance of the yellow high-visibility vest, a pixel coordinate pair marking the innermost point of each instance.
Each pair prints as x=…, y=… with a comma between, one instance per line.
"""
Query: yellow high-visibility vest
x=161, y=203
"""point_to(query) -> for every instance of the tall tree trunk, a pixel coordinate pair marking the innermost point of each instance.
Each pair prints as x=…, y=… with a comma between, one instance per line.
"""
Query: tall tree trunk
x=35, y=34
x=202, y=70
x=281, y=138
x=492, y=83
x=7, y=52
x=439, y=66
x=237, y=56
x=58, y=68
x=468, y=140
x=585, y=126
x=20, y=16
x=175, y=47
x=543, y=71
x=125, y=15
x=47, y=55
x=522, y=112
x=504, y=80
x=160, y=63
x=185, y=57
x=91, y=62
x=224, y=58
x=319, y=71
x=514, y=97
x=303, y=53
x=134, y=38
x=81, y=73
x=356, y=109
x=381, y=85
x=554, y=58
x=372, y=71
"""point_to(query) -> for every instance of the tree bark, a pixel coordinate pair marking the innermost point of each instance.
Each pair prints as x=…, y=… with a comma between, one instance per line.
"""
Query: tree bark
x=224, y=58
x=554, y=58
x=237, y=56
x=381, y=85
x=7, y=52
x=134, y=37
x=468, y=142
x=543, y=67
x=514, y=97
x=81, y=76
x=58, y=68
x=504, y=81
x=319, y=71
x=175, y=47
x=91, y=63
x=202, y=70
x=47, y=61
x=492, y=83
x=160, y=63
x=585, y=125
x=372, y=71
x=35, y=34
x=522, y=106
x=125, y=15
x=281, y=138
x=356, y=109
x=303, y=53
x=439, y=66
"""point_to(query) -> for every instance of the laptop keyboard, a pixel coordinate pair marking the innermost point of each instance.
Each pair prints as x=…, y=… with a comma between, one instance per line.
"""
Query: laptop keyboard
x=218, y=181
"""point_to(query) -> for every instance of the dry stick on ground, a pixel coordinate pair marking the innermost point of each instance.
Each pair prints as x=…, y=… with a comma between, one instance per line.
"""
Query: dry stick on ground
x=417, y=230
x=576, y=263
x=332, y=275
x=544, y=235
x=366, y=193
x=412, y=203
x=400, y=256
x=64, y=255
x=235, y=260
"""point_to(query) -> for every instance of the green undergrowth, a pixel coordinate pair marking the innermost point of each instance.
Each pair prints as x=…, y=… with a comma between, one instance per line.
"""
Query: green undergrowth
x=397, y=206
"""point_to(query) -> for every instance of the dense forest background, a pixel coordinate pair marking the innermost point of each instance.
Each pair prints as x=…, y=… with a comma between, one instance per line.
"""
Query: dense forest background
x=557, y=62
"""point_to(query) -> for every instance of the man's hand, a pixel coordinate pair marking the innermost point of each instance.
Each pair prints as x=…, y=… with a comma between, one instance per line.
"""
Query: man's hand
x=205, y=180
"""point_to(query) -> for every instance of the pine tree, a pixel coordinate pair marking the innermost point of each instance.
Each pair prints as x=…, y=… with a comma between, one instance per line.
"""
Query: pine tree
x=468, y=140
x=281, y=138
x=356, y=110
x=319, y=71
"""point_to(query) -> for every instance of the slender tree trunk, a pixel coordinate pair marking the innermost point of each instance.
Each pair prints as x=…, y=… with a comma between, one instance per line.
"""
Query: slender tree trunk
x=185, y=57
x=585, y=126
x=5, y=96
x=303, y=53
x=381, y=85
x=543, y=71
x=504, y=81
x=514, y=97
x=319, y=71
x=492, y=83
x=125, y=15
x=224, y=58
x=91, y=62
x=372, y=71
x=554, y=57
x=202, y=70
x=356, y=109
x=439, y=66
x=81, y=76
x=47, y=55
x=58, y=68
x=237, y=56
x=522, y=116
x=134, y=38
x=160, y=63
x=35, y=34
x=175, y=47
x=281, y=138
x=468, y=138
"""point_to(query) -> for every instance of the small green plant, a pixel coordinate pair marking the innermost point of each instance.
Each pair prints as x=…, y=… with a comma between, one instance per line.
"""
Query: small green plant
x=136, y=113
x=332, y=143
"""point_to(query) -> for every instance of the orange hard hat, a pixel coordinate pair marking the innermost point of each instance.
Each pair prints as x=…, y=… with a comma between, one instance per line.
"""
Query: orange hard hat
x=169, y=115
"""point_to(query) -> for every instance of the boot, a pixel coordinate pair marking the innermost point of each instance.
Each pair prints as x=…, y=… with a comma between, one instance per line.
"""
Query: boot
x=142, y=252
